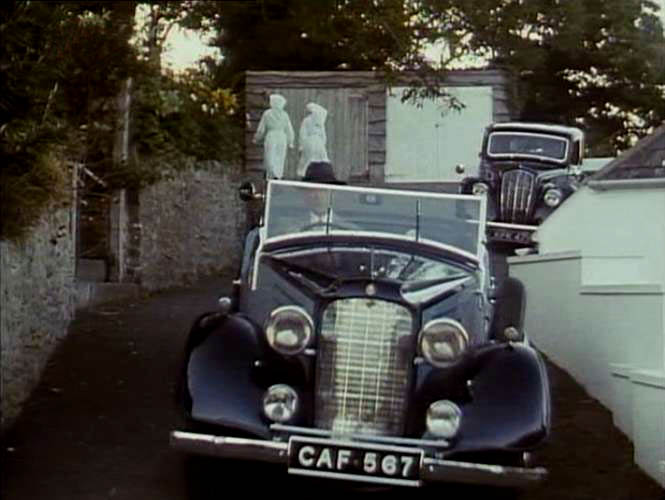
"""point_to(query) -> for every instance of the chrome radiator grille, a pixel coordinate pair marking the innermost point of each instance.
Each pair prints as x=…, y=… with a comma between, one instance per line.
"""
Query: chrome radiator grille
x=517, y=196
x=363, y=367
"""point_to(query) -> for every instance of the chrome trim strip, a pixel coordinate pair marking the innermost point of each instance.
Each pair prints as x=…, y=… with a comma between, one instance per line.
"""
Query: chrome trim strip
x=229, y=447
x=516, y=184
x=369, y=189
x=495, y=475
x=432, y=469
x=353, y=477
x=512, y=226
x=530, y=193
x=354, y=438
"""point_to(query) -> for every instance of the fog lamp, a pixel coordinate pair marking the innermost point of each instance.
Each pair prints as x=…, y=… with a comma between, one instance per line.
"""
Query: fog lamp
x=280, y=403
x=443, y=419
x=480, y=189
x=289, y=329
x=553, y=197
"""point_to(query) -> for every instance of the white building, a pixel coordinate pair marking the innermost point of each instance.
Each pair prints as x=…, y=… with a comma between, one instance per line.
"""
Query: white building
x=596, y=293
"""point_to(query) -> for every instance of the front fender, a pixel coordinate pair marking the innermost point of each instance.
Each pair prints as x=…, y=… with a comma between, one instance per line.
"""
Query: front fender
x=509, y=407
x=219, y=386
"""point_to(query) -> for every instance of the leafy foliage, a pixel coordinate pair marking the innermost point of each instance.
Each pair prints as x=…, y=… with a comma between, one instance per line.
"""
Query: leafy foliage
x=595, y=63
x=31, y=121
x=302, y=35
x=326, y=35
x=177, y=118
x=64, y=67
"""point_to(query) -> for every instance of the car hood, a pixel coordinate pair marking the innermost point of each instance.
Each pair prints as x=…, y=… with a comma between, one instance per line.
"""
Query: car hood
x=416, y=278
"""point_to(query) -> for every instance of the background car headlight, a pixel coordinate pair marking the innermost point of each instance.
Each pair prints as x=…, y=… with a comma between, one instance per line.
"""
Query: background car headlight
x=480, y=188
x=513, y=334
x=289, y=329
x=553, y=197
x=443, y=419
x=280, y=403
x=443, y=341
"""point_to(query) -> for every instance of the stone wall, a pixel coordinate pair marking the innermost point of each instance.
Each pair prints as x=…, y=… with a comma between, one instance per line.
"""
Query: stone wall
x=37, y=294
x=175, y=232
x=192, y=225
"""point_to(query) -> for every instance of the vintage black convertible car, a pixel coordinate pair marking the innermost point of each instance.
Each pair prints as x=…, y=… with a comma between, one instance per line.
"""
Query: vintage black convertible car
x=365, y=341
x=527, y=170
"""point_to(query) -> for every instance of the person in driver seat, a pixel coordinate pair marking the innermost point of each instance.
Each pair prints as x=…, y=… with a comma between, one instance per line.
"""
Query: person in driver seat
x=317, y=200
x=318, y=172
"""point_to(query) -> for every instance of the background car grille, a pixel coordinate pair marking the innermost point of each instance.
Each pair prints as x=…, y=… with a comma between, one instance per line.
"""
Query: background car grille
x=517, y=196
x=363, y=364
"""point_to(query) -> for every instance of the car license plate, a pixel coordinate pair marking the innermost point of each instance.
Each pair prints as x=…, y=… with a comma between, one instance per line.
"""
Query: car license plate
x=355, y=461
x=510, y=235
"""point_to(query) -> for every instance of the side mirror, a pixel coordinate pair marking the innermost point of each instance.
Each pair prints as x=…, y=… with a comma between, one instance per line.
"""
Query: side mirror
x=459, y=169
x=493, y=290
x=247, y=192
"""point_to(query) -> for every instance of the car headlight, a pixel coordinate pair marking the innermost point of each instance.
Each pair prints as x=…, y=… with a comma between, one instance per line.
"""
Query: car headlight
x=289, y=330
x=443, y=419
x=280, y=403
x=480, y=189
x=553, y=197
x=443, y=341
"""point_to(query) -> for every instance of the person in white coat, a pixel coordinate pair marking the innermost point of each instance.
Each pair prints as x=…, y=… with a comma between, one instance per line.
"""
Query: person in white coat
x=312, y=137
x=276, y=131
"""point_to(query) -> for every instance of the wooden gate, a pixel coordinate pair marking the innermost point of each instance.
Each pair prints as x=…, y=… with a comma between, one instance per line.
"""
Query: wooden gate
x=346, y=127
x=93, y=226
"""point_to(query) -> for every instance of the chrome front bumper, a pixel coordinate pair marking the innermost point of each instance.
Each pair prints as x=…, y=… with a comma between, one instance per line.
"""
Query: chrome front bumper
x=431, y=469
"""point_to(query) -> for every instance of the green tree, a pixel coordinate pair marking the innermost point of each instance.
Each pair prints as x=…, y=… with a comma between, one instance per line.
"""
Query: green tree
x=595, y=63
x=43, y=79
x=176, y=116
x=386, y=36
x=64, y=66
x=304, y=35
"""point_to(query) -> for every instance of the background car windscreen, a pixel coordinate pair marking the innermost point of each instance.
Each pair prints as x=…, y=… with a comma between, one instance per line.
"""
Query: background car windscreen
x=538, y=145
x=295, y=208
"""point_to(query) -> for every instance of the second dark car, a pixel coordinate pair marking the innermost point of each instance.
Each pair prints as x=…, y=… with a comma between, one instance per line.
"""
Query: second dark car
x=526, y=170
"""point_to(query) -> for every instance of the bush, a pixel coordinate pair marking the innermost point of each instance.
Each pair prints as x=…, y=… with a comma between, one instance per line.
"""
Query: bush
x=25, y=196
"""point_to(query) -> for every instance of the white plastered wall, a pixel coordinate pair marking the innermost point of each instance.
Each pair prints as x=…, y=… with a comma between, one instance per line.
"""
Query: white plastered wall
x=596, y=306
x=425, y=142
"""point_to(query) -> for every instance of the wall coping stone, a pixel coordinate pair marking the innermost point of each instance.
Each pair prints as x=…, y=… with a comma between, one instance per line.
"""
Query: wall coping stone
x=653, y=378
x=621, y=370
x=546, y=257
x=623, y=289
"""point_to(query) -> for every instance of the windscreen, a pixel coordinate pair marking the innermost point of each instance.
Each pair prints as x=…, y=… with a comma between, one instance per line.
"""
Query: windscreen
x=527, y=144
x=295, y=208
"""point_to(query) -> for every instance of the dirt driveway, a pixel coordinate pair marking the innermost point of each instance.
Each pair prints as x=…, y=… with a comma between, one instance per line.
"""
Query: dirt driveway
x=97, y=427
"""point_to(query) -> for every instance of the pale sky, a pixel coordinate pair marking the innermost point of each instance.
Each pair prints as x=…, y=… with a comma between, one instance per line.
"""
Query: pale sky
x=184, y=48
